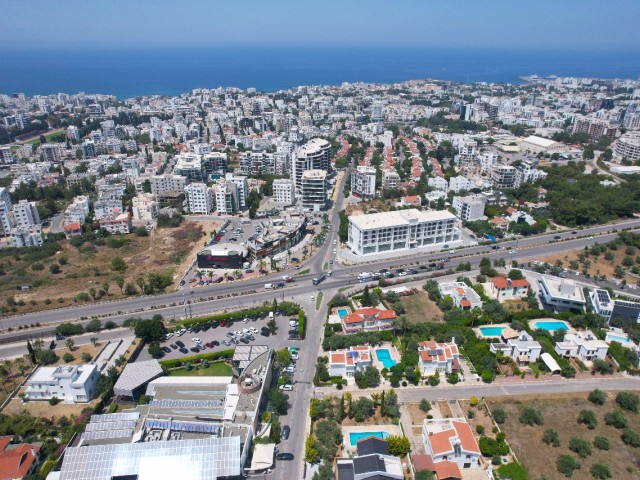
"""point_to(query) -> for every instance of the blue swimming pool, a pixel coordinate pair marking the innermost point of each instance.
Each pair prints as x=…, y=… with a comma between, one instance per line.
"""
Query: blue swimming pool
x=354, y=437
x=385, y=358
x=342, y=312
x=551, y=326
x=491, y=331
x=616, y=338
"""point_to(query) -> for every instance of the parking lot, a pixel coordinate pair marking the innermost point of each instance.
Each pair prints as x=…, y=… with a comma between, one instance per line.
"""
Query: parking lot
x=219, y=334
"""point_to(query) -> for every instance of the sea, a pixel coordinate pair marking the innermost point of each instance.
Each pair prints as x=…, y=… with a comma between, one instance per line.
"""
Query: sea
x=136, y=72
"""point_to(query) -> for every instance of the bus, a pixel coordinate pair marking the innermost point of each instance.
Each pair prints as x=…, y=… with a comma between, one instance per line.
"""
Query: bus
x=319, y=278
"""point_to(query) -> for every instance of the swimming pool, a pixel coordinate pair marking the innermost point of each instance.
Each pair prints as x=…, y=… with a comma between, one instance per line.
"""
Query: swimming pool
x=491, y=331
x=385, y=358
x=342, y=312
x=551, y=326
x=616, y=338
x=354, y=437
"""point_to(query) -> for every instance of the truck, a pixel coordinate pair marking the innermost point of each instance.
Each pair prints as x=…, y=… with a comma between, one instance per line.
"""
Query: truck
x=268, y=286
x=319, y=278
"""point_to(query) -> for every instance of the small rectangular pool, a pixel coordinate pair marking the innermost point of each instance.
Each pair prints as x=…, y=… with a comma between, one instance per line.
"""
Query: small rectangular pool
x=616, y=338
x=354, y=437
x=491, y=331
x=551, y=326
x=342, y=312
x=384, y=357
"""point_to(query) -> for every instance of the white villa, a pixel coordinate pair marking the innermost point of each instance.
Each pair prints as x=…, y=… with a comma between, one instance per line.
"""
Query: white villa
x=438, y=357
x=583, y=345
x=519, y=347
x=69, y=383
x=346, y=362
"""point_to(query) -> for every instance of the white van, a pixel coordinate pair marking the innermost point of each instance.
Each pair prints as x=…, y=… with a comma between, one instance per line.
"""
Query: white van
x=268, y=286
x=270, y=315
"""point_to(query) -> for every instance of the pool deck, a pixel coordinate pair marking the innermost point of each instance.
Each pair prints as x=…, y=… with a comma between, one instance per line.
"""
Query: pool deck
x=393, y=352
x=334, y=316
x=616, y=332
x=390, y=429
x=479, y=333
x=532, y=324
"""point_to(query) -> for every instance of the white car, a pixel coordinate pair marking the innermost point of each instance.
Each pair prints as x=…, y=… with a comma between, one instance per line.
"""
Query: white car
x=293, y=323
x=246, y=320
x=246, y=330
x=452, y=251
x=237, y=333
x=402, y=274
x=294, y=356
x=335, y=242
x=181, y=332
x=253, y=330
x=590, y=238
x=286, y=387
x=196, y=340
x=168, y=336
x=312, y=297
x=289, y=369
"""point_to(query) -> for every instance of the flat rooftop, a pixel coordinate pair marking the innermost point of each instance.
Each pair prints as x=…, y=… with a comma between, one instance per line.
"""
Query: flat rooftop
x=399, y=218
x=563, y=288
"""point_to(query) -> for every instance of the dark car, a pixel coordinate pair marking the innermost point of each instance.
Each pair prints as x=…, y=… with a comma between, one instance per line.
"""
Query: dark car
x=174, y=346
x=179, y=343
x=183, y=350
x=284, y=456
x=197, y=328
x=215, y=343
x=557, y=237
x=244, y=340
x=209, y=344
x=166, y=349
x=574, y=232
x=294, y=336
x=265, y=333
x=280, y=285
x=285, y=432
x=412, y=271
x=206, y=327
x=195, y=349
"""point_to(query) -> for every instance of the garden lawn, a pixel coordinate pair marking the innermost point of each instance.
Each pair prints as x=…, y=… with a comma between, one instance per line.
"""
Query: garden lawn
x=217, y=369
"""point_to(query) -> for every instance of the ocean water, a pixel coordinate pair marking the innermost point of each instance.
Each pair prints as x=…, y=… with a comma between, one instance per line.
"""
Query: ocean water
x=171, y=71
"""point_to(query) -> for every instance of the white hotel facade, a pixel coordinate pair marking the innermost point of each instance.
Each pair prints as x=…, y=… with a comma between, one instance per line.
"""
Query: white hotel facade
x=401, y=230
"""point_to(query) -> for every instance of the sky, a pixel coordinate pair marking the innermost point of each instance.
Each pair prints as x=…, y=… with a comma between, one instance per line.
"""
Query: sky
x=102, y=24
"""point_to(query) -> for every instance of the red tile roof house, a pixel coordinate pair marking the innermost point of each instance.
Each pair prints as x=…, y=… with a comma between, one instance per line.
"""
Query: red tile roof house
x=17, y=461
x=346, y=362
x=445, y=470
x=451, y=439
x=368, y=320
x=503, y=288
x=72, y=229
x=438, y=357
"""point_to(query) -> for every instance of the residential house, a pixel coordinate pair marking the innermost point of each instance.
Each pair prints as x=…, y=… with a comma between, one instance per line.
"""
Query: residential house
x=146, y=207
x=582, y=345
x=561, y=294
x=520, y=347
x=451, y=439
x=69, y=383
x=463, y=296
x=368, y=320
x=503, y=288
x=372, y=461
x=116, y=223
x=410, y=200
x=346, y=362
x=444, y=470
x=438, y=357
x=17, y=461
x=72, y=229
x=616, y=312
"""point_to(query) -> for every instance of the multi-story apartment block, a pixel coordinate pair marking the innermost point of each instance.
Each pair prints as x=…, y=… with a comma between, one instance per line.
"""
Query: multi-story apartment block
x=595, y=127
x=26, y=236
x=243, y=188
x=69, y=383
x=628, y=146
x=168, y=185
x=561, y=294
x=469, y=208
x=214, y=163
x=617, y=312
x=256, y=163
x=363, y=182
x=189, y=165
x=391, y=179
x=78, y=210
x=226, y=195
x=120, y=223
x=199, y=198
x=145, y=207
x=313, y=189
x=526, y=172
x=107, y=207
x=284, y=191
x=7, y=156
x=401, y=230
x=25, y=214
x=315, y=155
x=51, y=153
x=503, y=176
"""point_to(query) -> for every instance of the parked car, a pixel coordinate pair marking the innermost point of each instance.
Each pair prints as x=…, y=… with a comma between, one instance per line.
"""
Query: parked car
x=226, y=342
x=180, y=344
x=287, y=387
x=166, y=349
x=183, y=350
x=284, y=434
x=284, y=456
x=174, y=346
x=195, y=349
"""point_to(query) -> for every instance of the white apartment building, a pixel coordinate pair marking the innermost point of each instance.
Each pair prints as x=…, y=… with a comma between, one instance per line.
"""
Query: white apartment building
x=145, y=207
x=120, y=223
x=391, y=179
x=199, y=198
x=256, y=163
x=168, y=185
x=284, y=191
x=78, y=211
x=561, y=294
x=189, y=165
x=69, y=383
x=25, y=214
x=226, y=196
x=401, y=230
x=314, y=190
x=243, y=188
x=463, y=296
x=459, y=183
x=527, y=172
x=363, y=182
x=628, y=146
x=503, y=176
x=469, y=208
x=7, y=156
x=314, y=155
x=26, y=236
x=487, y=160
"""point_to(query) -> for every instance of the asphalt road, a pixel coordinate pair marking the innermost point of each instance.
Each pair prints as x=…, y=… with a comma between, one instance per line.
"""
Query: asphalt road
x=238, y=294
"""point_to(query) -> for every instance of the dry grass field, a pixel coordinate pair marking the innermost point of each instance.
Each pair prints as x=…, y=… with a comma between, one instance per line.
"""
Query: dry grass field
x=420, y=309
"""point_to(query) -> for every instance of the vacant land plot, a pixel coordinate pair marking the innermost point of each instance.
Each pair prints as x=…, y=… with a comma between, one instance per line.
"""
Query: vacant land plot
x=218, y=369
x=57, y=280
x=560, y=413
x=420, y=309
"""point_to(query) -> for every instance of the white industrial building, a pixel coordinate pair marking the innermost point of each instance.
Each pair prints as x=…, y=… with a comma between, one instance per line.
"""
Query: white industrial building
x=401, y=230
x=69, y=383
x=199, y=198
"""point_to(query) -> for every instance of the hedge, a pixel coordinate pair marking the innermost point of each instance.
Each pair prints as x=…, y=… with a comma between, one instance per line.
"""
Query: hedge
x=302, y=324
x=287, y=308
x=178, y=362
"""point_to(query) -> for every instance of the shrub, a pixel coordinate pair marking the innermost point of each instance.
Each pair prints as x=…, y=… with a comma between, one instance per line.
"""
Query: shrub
x=68, y=357
x=588, y=418
x=580, y=446
x=629, y=437
x=499, y=415
x=398, y=445
x=496, y=460
x=602, y=367
x=601, y=443
x=628, y=401
x=491, y=446
x=425, y=405
x=551, y=437
x=566, y=464
x=54, y=268
x=530, y=416
x=597, y=397
x=54, y=401
x=480, y=429
x=616, y=419
x=600, y=471
x=471, y=414
x=473, y=401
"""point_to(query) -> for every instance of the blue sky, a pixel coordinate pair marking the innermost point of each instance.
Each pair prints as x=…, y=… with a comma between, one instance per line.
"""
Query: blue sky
x=396, y=23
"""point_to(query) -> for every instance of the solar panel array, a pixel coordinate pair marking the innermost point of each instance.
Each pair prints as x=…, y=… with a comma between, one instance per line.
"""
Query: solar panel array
x=124, y=425
x=114, y=417
x=102, y=434
x=184, y=426
x=203, y=458
x=186, y=403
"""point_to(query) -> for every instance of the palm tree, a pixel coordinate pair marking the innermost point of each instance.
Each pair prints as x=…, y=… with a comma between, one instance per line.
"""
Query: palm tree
x=262, y=264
